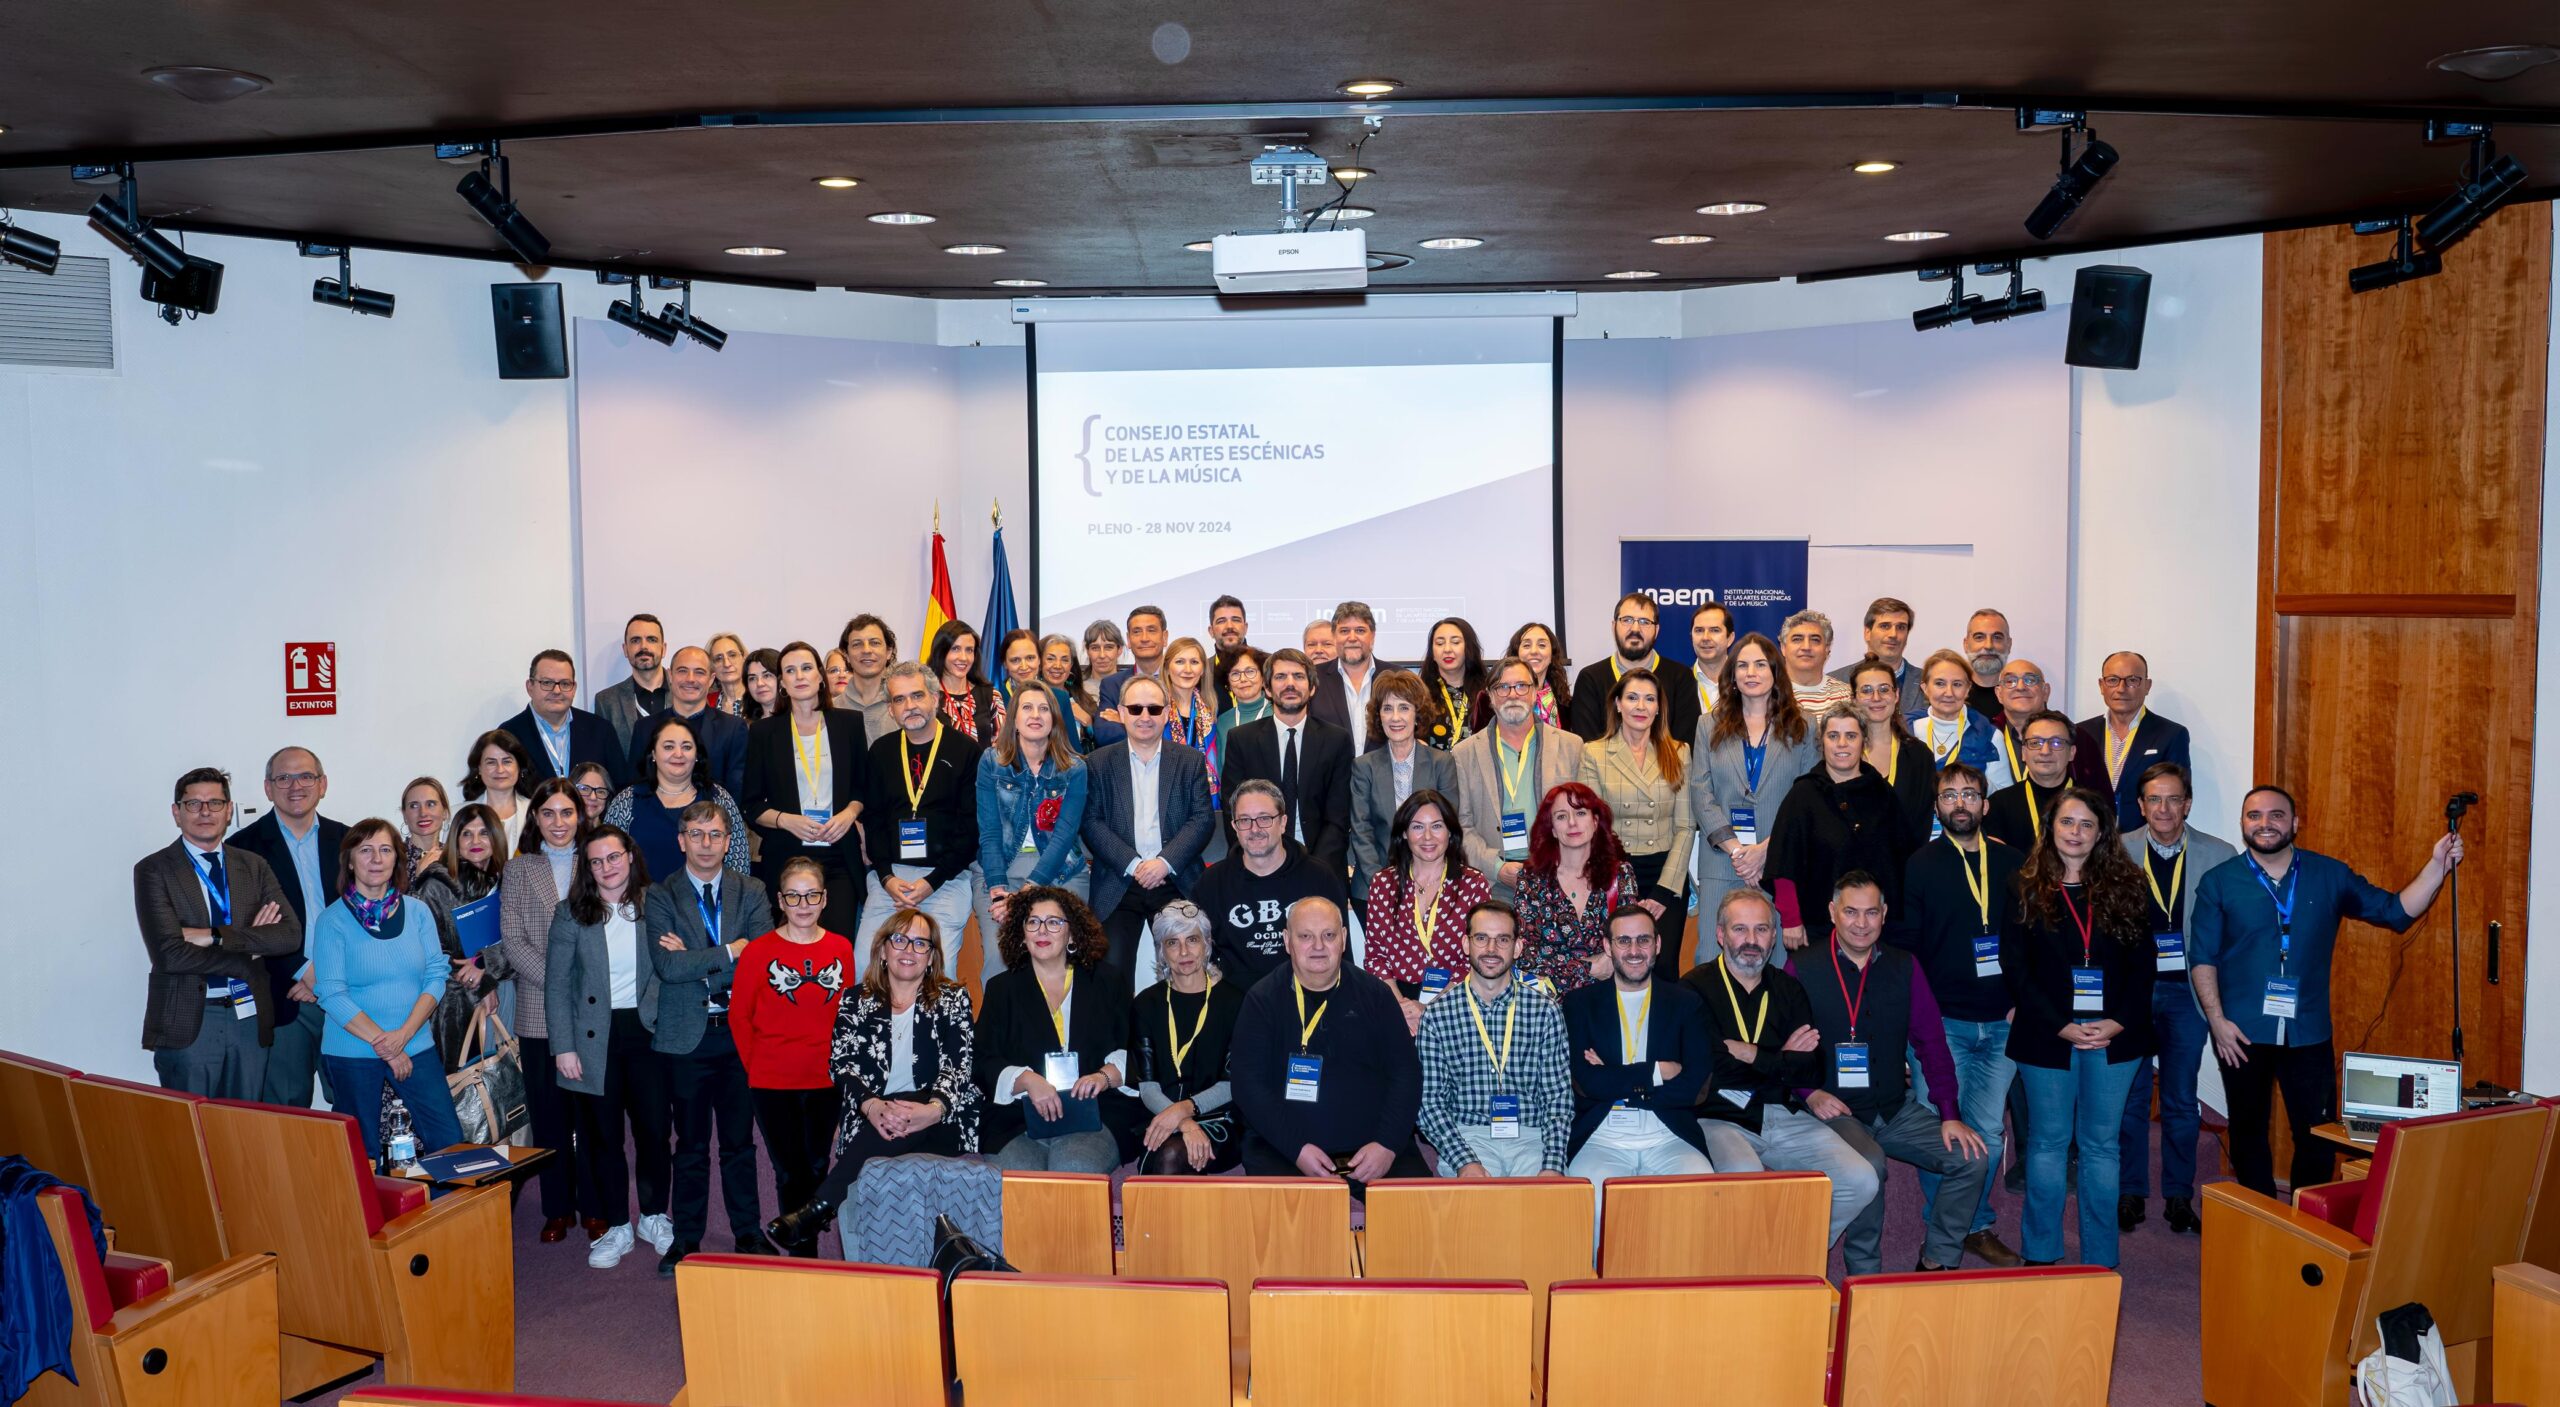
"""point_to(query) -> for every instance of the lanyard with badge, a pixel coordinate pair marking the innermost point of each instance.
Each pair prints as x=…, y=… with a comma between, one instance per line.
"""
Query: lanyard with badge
x=1504, y=1116
x=2116, y=756
x=1426, y=925
x=2088, y=980
x=812, y=759
x=1745, y=820
x=217, y=891
x=1457, y=715
x=2284, y=993
x=911, y=844
x=1061, y=1068
x=555, y=744
x=1515, y=824
x=1624, y=1117
x=1305, y=1071
x=1748, y=1031
x=1851, y=1054
x=2009, y=751
x=2172, y=945
x=1175, y=1046
x=1986, y=944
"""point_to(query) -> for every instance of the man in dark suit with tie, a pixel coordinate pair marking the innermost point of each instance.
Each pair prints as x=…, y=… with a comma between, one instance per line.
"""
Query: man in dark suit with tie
x=723, y=735
x=208, y=913
x=1309, y=758
x=1338, y=689
x=698, y=921
x=301, y=847
x=555, y=731
x=1146, y=820
x=2118, y=746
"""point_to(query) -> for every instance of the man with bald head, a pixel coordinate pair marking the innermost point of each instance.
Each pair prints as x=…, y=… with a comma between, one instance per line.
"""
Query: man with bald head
x=2025, y=691
x=1323, y=1065
x=723, y=736
x=301, y=847
x=2119, y=745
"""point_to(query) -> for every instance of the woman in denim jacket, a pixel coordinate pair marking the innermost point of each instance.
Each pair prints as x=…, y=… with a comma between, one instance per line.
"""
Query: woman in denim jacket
x=1030, y=813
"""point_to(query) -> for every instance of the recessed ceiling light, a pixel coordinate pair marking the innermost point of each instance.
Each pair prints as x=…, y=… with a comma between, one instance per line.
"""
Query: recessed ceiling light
x=1022, y=283
x=198, y=83
x=754, y=251
x=1451, y=242
x=973, y=249
x=2497, y=62
x=1635, y=274
x=1349, y=212
x=1370, y=87
x=1916, y=236
x=836, y=183
x=1733, y=207
x=1876, y=168
x=1200, y=246
x=1684, y=239
x=901, y=217
x=1352, y=173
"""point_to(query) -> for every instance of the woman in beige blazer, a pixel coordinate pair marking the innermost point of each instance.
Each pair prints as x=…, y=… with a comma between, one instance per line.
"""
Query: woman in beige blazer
x=1643, y=773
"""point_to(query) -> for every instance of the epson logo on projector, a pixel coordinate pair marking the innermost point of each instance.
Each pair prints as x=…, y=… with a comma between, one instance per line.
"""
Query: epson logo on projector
x=1303, y=261
x=1679, y=595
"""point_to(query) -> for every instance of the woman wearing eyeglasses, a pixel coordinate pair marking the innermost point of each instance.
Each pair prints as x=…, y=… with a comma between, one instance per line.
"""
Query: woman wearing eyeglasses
x=600, y=998
x=782, y=1013
x=593, y=786
x=900, y=1056
x=1182, y=1026
x=499, y=764
x=1053, y=1049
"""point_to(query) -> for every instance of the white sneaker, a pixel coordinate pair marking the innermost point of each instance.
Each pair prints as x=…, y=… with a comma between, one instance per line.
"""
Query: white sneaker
x=659, y=1232
x=610, y=1248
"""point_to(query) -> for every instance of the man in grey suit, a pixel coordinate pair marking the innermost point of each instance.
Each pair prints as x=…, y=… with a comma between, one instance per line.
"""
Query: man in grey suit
x=2175, y=858
x=1888, y=635
x=209, y=1018
x=701, y=919
x=644, y=648
x=1146, y=820
x=1504, y=772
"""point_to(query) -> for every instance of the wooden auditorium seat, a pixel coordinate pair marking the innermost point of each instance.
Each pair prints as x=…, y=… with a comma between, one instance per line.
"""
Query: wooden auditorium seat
x=1058, y=1223
x=1715, y=1225
x=1955, y=1338
x=1392, y=1343
x=1099, y=1342
x=2525, y=1339
x=2291, y=1292
x=2542, y=1228
x=766, y=1332
x=369, y=1267
x=448, y=1397
x=37, y=1121
x=1536, y=1230
x=1235, y=1230
x=148, y=1170
x=140, y=1339
x=1786, y=1320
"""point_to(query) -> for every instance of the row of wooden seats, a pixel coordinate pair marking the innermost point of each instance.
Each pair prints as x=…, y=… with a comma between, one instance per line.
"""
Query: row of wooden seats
x=366, y=1268
x=143, y=1337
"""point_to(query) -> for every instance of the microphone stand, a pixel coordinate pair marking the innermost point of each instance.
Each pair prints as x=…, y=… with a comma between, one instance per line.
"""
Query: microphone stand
x=2453, y=810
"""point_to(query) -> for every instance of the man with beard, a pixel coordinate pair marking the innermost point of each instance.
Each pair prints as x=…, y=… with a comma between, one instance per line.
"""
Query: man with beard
x=920, y=831
x=1496, y=1098
x=1639, y=1057
x=1341, y=688
x=1638, y=621
x=1710, y=636
x=1958, y=892
x=1504, y=772
x=1888, y=635
x=1309, y=758
x=1226, y=631
x=869, y=647
x=1764, y=1048
x=2019, y=813
x=1248, y=895
x=2262, y=937
x=644, y=647
x=1986, y=649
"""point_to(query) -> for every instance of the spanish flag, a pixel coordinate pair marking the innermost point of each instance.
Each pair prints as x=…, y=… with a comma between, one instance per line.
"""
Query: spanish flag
x=938, y=610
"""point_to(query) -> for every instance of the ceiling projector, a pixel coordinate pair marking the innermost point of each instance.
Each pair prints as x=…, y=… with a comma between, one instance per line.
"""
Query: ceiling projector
x=1302, y=261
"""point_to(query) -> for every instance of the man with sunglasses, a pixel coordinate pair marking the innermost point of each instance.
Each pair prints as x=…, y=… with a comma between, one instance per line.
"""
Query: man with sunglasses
x=555, y=731
x=1248, y=895
x=1146, y=820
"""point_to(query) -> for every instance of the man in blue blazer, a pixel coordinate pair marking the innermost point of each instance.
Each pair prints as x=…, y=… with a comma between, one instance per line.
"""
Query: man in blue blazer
x=1147, y=640
x=301, y=846
x=556, y=733
x=722, y=736
x=1144, y=856
x=2119, y=745
x=1637, y=1045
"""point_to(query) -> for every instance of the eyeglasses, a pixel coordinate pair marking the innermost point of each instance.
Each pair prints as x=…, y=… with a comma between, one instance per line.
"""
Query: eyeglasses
x=611, y=859
x=1045, y=923
x=706, y=833
x=1244, y=822
x=2046, y=744
x=2122, y=681
x=1139, y=710
x=293, y=779
x=590, y=789
x=197, y=806
x=909, y=942
x=1960, y=794
x=810, y=900
x=1635, y=620
x=2028, y=680
x=1512, y=686
x=554, y=686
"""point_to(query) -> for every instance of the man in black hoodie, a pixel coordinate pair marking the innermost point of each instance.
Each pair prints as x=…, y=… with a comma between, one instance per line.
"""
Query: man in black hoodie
x=1323, y=1067
x=1249, y=894
x=1838, y=817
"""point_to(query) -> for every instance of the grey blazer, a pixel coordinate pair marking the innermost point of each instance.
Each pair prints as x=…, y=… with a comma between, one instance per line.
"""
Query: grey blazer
x=1183, y=815
x=1721, y=782
x=618, y=705
x=577, y=993
x=1373, y=803
x=688, y=980
x=1480, y=791
x=2204, y=853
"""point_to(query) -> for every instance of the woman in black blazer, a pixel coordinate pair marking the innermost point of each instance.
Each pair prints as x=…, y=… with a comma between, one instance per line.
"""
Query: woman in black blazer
x=1055, y=1032
x=805, y=774
x=2080, y=963
x=969, y=702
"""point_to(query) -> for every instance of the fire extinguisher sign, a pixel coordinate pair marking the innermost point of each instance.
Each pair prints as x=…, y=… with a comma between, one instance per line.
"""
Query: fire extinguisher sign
x=310, y=678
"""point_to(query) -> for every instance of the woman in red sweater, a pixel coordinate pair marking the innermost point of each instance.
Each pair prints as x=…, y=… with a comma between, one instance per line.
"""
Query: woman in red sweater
x=782, y=1012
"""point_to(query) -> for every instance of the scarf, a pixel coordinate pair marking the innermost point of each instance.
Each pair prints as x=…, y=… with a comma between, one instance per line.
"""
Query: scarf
x=372, y=913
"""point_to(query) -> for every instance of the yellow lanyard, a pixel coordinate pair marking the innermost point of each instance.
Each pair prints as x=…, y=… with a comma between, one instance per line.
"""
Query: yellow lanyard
x=1512, y=775
x=2116, y=755
x=2035, y=813
x=1618, y=668
x=1457, y=715
x=1980, y=889
x=1174, y=1044
x=1510, y=1015
x=2177, y=875
x=1058, y=1013
x=1736, y=998
x=2009, y=750
x=814, y=756
x=1627, y=1032
x=1426, y=920
x=1892, y=757
x=1306, y=1028
x=907, y=758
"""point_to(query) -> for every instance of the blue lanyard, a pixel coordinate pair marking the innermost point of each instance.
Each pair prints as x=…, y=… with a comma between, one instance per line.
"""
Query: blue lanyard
x=219, y=890
x=707, y=899
x=2283, y=903
x=1753, y=757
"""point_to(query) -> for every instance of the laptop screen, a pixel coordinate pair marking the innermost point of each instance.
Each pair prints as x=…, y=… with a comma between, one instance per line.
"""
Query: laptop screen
x=2396, y=1087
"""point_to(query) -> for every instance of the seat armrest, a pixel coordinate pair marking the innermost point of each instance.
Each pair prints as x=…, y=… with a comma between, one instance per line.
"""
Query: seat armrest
x=2282, y=1289
x=427, y=1218
x=185, y=1297
x=2334, y=1202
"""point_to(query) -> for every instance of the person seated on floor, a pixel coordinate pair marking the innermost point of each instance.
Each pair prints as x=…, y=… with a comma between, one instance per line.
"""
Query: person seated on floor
x=1183, y=1027
x=1324, y=1066
x=1053, y=1042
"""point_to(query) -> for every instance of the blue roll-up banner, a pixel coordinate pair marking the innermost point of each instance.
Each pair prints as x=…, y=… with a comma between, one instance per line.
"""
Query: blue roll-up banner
x=1760, y=579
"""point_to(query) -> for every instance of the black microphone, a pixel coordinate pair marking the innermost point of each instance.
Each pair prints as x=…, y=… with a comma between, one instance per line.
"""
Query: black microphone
x=2460, y=802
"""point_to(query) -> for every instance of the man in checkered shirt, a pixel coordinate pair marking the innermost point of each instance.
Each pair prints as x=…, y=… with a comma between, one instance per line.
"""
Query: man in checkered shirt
x=1497, y=1099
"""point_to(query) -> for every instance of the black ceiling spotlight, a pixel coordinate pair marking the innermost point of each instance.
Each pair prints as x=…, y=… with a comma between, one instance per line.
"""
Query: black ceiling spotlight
x=680, y=315
x=2079, y=176
x=492, y=197
x=2020, y=301
x=27, y=249
x=341, y=292
x=2487, y=180
x=119, y=218
x=1957, y=308
x=632, y=315
x=2405, y=263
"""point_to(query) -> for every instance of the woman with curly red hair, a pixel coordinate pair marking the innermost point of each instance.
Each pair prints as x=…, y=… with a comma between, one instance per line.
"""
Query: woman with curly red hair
x=1576, y=874
x=1053, y=1042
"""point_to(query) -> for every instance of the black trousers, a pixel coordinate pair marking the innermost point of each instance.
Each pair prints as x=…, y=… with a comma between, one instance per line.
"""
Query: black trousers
x=1649, y=872
x=2308, y=1075
x=867, y=1144
x=710, y=1090
x=548, y=1106
x=1262, y=1159
x=635, y=1097
x=1173, y=1159
x=843, y=912
x=1126, y=927
x=799, y=1127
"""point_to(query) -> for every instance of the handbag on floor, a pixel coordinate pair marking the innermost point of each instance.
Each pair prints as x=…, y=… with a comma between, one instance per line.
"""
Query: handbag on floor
x=487, y=1081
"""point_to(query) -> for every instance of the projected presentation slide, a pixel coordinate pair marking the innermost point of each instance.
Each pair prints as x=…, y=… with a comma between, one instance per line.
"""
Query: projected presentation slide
x=1296, y=463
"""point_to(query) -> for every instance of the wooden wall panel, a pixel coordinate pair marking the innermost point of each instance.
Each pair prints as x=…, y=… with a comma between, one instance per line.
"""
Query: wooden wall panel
x=2401, y=499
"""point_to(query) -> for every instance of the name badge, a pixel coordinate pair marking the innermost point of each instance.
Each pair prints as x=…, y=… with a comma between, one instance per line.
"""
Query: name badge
x=911, y=839
x=1986, y=955
x=1746, y=824
x=1852, y=1064
x=1515, y=836
x=1505, y=1120
x=244, y=1004
x=1435, y=980
x=2284, y=996
x=2088, y=989
x=1738, y=1098
x=1061, y=1069
x=1624, y=1119
x=821, y=815
x=2172, y=951
x=1305, y=1071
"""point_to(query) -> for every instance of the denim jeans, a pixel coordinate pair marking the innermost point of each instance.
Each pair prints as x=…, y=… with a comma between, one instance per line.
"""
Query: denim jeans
x=2182, y=1035
x=1983, y=1072
x=2084, y=1101
x=356, y=1084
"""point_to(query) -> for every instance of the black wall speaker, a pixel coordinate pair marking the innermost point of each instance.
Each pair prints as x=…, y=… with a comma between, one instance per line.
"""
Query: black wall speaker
x=196, y=289
x=2108, y=305
x=532, y=343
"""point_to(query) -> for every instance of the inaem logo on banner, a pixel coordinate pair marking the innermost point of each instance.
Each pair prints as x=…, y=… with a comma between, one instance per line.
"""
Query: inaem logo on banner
x=1760, y=579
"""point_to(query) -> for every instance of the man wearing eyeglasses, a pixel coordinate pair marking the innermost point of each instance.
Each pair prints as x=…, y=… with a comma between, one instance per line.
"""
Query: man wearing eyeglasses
x=1636, y=624
x=1497, y=1099
x=1146, y=820
x=703, y=917
x=208, y=913
x=301, y=847
x=1248, y=895
x=558, y=733
x=2023, y=692
x=2019, y=813
x=2115, y=748
x=1505, y=771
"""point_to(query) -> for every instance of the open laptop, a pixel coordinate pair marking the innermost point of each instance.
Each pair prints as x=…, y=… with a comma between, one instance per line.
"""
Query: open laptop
x=2374, y=1090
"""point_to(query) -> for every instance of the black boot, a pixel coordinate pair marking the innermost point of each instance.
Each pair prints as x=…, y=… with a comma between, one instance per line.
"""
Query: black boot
x=2129, y=1213
x=2181, y=1214
x=801, y=1227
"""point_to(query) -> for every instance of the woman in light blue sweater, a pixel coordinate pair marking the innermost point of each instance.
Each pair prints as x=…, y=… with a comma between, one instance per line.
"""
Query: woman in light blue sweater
x=377, y=968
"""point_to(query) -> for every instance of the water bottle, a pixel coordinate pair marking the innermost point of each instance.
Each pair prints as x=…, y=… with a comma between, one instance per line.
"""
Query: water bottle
x=399, y=1138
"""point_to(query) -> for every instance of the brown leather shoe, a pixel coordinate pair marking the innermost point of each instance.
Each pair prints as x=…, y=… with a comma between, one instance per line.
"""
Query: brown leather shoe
x=1986, y=1246
x=596, y=1228
x=556, y=1230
